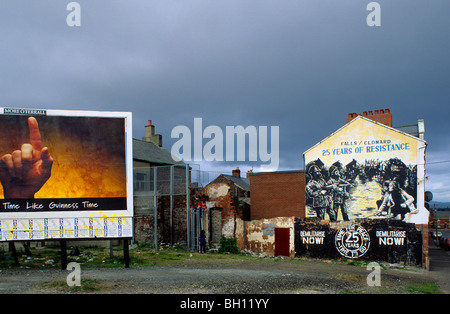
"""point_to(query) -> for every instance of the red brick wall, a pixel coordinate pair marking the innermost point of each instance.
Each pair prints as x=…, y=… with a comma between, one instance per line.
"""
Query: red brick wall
x=425, y=245
x=144, y=227
x=277, y=194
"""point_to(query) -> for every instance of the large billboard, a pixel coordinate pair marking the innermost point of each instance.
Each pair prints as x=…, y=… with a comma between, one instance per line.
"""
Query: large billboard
x=65, y=174
x=366, y=170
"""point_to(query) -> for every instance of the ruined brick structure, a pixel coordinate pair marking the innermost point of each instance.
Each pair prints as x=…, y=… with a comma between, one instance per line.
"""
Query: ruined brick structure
x=228, y=202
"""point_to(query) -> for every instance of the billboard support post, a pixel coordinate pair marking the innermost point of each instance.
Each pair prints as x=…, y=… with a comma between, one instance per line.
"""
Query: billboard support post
x=63, y=255
x=126, y=253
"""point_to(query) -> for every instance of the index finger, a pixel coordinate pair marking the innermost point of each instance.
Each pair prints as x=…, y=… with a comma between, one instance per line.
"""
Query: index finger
x=35, y=135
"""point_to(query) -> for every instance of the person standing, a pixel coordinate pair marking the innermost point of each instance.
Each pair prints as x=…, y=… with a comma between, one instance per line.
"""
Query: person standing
x=202, y=239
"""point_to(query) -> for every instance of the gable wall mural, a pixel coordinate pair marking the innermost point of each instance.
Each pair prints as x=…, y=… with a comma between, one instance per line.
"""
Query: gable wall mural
x=366, y=170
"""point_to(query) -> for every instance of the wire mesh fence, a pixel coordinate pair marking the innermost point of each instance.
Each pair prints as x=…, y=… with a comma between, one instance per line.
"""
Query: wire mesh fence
x=166, y=193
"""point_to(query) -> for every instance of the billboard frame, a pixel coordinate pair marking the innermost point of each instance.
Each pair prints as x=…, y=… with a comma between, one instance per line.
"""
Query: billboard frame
x=100, y=218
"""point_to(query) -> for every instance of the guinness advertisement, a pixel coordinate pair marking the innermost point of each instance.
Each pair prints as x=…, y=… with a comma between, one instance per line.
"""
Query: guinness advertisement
x=61, y=164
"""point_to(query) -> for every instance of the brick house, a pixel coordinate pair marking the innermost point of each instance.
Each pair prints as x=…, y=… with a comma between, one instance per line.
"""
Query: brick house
x=439, y=219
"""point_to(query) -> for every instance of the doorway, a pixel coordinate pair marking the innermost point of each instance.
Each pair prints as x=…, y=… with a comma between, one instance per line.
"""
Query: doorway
x=216, y=224
x=282, y=241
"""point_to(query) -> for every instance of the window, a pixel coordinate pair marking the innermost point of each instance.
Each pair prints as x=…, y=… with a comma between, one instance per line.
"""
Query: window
x=141, y=182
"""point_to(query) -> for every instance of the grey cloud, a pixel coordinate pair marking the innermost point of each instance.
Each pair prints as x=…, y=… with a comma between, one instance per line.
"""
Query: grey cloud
x=299, y=64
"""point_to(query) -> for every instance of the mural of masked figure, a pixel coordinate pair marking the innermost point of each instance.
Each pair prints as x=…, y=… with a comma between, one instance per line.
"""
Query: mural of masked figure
x=318, y=191
x=339, y=192
x=396, y=203
x=382, y=203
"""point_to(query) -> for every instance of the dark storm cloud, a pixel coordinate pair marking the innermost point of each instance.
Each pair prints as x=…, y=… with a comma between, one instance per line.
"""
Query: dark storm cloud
x=302, y=65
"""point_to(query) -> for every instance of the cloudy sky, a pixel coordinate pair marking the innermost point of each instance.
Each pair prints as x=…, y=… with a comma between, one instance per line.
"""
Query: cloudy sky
x=301, y=65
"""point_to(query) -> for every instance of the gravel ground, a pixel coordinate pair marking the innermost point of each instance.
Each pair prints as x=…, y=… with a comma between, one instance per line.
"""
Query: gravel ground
x=271, y=276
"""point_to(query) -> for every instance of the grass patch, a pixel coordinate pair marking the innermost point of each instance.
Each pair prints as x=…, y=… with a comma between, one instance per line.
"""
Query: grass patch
x=423, y=288
x=352, y=278
x=87, y=285
x=140, y=255
x=350, y=292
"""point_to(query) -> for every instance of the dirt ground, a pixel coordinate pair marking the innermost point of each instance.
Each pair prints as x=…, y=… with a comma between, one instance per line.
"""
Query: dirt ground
x=271, y=276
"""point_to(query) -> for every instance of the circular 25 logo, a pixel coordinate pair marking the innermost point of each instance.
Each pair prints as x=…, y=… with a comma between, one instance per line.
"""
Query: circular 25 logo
x=353, y=241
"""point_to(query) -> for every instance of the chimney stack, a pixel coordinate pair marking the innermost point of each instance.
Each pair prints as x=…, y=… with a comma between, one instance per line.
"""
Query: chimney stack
x=382, y=116
x=150, y=135
x=236, y=172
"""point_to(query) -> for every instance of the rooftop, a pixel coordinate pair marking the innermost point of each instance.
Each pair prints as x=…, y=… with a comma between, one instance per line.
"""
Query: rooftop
x=152, y=153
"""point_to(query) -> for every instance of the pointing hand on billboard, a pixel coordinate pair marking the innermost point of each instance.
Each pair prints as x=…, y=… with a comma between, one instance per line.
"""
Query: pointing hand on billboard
x=25, y=171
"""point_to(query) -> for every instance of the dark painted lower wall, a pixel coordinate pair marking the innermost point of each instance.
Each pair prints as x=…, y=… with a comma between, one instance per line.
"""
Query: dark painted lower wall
x=385, y=240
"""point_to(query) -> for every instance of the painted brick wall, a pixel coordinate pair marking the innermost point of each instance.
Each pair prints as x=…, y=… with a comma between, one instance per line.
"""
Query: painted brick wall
x=388, y=240
x=260, y=235
x=277, y=194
